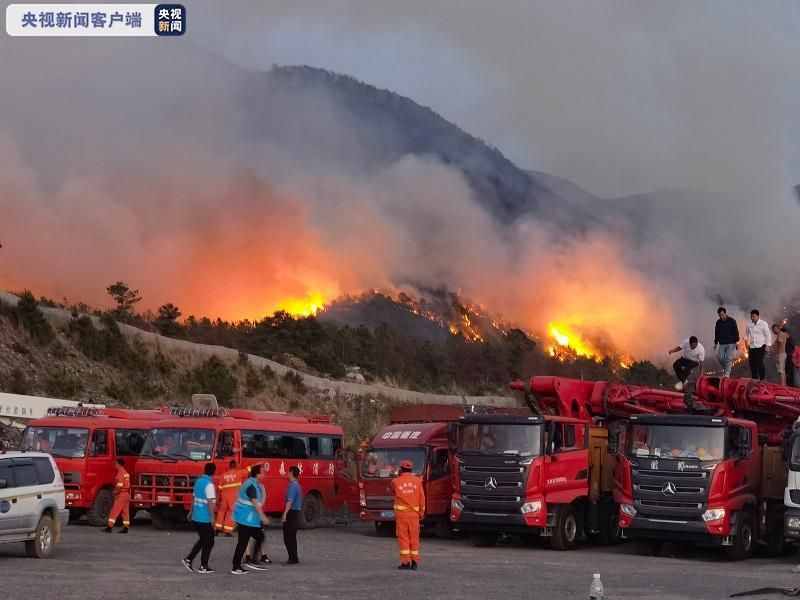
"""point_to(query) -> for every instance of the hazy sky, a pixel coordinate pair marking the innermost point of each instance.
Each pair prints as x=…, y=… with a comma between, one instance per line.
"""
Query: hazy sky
x=620, y=96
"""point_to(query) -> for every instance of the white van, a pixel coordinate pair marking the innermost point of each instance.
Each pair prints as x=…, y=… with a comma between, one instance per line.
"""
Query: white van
x=31, y=502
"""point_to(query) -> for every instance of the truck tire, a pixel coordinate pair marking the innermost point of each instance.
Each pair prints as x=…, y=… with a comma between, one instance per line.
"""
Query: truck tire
x=97, y=515
x=384, y=529
x=743, y=540
x=311, y=513
x=444, y=530
x=484, y=539
x=44, y=542
x=610, y=531
x=161, y=518
x=565, y=533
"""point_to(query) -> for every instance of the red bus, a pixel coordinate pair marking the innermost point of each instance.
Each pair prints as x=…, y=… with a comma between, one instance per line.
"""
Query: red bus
x=177, y=448
x=86, y=443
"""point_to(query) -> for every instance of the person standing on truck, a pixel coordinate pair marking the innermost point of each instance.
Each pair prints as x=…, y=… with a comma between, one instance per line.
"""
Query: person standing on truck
x=692, y=356
x=781, y=337
x=122, y=499
x=229, y=485
x=409, y=510
x=248, y=514
x=758, y=340
x=291, y=514
x=203, y=508
x=726, y=336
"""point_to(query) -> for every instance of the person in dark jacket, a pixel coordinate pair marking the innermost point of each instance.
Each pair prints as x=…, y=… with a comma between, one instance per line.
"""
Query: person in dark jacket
x=726, y=337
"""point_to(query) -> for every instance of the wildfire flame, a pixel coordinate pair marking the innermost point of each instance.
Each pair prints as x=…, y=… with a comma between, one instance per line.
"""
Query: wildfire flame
x=563, y=337
x=307, y=306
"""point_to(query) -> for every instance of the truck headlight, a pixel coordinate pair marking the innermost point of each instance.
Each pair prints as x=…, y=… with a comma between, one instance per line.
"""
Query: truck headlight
x=793, y=523
x=457, y=505
x=628, y=509
x=362, y=498
x=531, y=507
x=714, y=514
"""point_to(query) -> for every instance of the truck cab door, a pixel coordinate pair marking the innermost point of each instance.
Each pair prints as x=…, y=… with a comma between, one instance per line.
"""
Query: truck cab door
x=346, y=480
x=567, y=468
x=100, y=467
x=439, y=488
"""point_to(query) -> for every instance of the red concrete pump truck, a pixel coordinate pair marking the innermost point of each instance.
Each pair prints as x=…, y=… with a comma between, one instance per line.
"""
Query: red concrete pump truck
x=547, y=474
x=714, y=475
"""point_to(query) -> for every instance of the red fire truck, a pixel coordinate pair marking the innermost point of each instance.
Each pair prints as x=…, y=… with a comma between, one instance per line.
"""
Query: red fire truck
x=86, y=443
x=418, y=434
x=177, y=448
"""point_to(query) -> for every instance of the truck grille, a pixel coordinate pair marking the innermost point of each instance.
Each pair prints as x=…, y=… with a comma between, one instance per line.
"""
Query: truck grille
x=380, y=502
x=670, y=488
x=492, y=484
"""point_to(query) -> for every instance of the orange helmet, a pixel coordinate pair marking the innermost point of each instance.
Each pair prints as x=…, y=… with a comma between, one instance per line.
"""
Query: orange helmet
x=406, y=464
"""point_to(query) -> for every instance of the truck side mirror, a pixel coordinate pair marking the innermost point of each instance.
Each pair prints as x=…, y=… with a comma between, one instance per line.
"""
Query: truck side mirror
x=745, y=443
x=452, y=436
x=613, y=442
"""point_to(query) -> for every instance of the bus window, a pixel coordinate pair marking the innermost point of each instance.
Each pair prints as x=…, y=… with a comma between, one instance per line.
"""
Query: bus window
x=225, y=444
x=323, y=446
x=262, y=444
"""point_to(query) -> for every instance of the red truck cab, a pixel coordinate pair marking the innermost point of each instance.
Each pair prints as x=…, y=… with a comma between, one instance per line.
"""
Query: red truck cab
x=426, y=446
x=86, y=444
x=700, y=479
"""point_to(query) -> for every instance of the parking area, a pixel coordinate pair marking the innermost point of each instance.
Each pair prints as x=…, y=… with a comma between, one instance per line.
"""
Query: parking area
x=351, y=562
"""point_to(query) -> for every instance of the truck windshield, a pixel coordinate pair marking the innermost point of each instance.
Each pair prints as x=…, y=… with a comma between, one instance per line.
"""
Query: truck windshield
x=677, y=441
x=501, y=438
x=191, y=444
x=382, y=463
x=63, y=442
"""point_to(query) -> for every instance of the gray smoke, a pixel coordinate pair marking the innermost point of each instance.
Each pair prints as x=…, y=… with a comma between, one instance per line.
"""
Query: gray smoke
x=135, y=159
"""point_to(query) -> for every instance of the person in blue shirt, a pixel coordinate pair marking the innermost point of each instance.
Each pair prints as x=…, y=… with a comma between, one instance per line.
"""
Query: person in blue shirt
x=291, y=514
x=248, y=514
x=204, y=503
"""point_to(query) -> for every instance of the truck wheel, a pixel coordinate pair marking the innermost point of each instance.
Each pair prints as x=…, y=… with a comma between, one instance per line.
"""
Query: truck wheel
x=565, y=533
x=610, y=531
x=44, y=542
x=97, y=515
x=444, y=530
x=384, y=529
x=743, y=541
x=484, y=539
x=311, y=512
x=161, y=519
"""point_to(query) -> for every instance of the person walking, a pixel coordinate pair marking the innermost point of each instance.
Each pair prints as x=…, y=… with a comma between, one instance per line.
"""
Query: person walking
x=229, y=485
x=758, y=339
x=204, y=503
x=291, y=514
x=781, y=337
x=409, y=510
x=692, y=356
x=122, y=499
x=726, y=336
x=249, y=517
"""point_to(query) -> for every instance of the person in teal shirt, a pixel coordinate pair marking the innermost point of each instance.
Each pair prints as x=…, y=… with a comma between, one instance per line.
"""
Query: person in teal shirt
x=204, y=502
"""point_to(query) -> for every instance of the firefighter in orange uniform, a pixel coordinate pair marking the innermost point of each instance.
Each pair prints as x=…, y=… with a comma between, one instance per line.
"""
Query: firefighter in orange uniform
x=409, y=510
x=229, y=485
x=122, y=499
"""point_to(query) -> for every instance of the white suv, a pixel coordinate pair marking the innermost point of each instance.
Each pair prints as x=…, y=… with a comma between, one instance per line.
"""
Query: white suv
x=31, y=502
